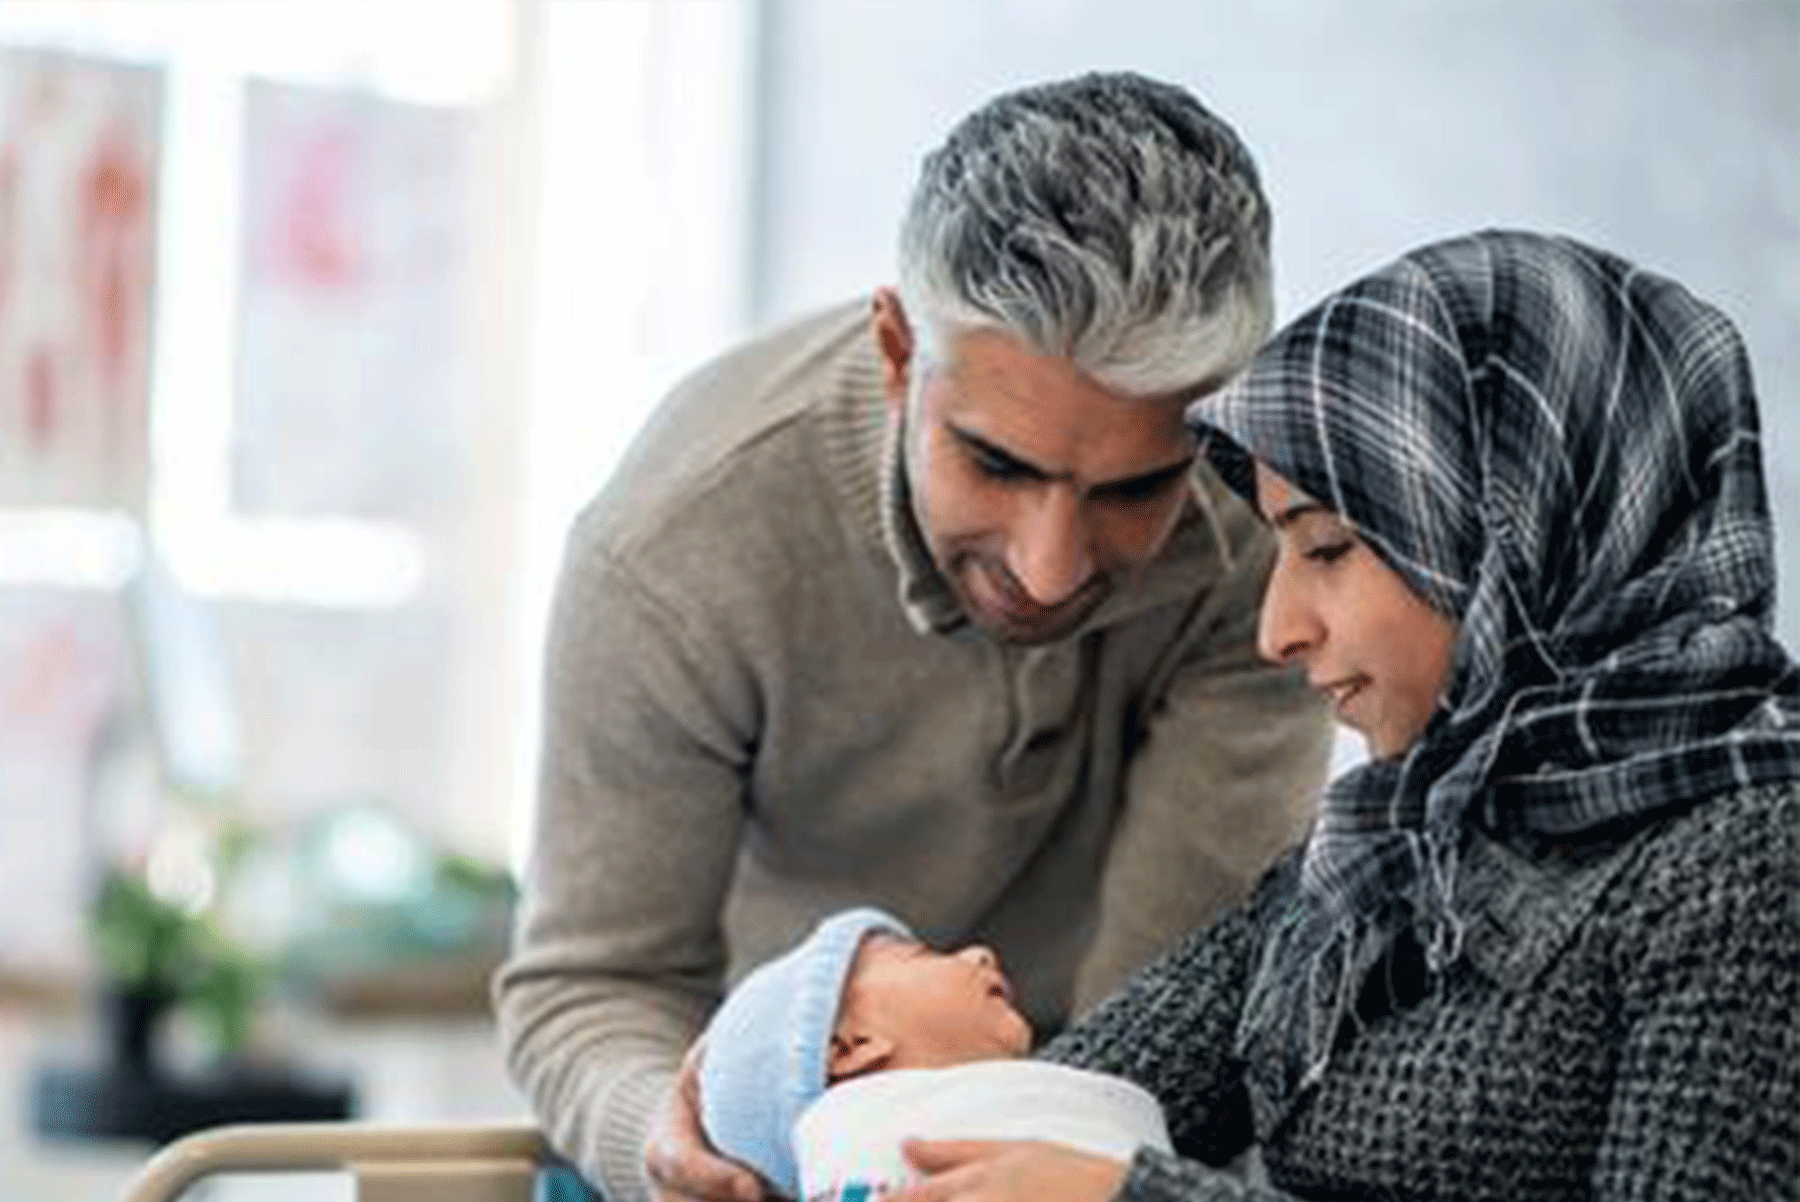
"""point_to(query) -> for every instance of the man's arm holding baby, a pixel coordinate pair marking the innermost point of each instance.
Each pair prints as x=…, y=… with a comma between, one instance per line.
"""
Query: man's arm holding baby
x=620, y=955
x=679, y=1163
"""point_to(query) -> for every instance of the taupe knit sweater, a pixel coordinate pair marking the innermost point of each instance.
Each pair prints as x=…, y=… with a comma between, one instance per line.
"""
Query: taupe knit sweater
x=763, y=705
x=1625, y=1024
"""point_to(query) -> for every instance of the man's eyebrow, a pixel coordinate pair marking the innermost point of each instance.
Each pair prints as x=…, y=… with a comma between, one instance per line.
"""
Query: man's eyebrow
x=982, y=446
x=1146, y=482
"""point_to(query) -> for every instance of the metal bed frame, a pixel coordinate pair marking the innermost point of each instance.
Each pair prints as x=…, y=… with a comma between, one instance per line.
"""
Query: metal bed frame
x=498, y=1162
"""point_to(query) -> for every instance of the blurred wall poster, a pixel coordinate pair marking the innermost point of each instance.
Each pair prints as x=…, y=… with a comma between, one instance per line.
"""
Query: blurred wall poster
x=79, y=150
x=350, y=385
x=65, y=676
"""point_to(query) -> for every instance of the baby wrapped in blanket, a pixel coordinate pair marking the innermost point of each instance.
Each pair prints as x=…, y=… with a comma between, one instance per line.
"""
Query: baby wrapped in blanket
x=822, y=1062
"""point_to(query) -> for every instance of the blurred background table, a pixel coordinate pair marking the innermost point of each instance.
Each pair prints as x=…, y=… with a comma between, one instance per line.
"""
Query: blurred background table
x=418, y=1068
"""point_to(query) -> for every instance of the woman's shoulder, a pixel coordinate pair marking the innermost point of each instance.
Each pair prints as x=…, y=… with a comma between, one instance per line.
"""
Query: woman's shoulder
x=1723, y=871
x=1748, y=835
x=1742, y=834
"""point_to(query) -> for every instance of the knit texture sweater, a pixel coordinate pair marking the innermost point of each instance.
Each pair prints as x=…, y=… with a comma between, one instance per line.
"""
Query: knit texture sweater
x=1624, y=1024
x=763, y=704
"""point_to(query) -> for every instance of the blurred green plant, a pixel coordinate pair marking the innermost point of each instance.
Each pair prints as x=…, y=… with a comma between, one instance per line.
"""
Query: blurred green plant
x=427, y=904
x=158, y=948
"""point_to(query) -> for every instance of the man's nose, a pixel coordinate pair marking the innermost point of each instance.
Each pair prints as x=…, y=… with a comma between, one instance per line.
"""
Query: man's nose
x=1051, y=554
x=1285, y=629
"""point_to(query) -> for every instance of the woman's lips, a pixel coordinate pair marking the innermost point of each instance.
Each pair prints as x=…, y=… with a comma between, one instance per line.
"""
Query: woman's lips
x=1341, y=692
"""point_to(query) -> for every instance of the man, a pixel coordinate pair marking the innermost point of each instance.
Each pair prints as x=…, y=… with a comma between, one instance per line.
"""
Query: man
x=922, y=603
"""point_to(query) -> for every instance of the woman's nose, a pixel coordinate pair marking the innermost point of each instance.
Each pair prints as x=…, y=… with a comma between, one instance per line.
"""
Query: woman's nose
x=1285, y=629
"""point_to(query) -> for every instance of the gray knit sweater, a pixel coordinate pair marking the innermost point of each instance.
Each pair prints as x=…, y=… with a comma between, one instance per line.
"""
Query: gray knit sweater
x=1625, y=1024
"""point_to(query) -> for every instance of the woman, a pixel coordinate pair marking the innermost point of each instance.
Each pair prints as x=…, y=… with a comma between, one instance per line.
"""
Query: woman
x=1546, y=943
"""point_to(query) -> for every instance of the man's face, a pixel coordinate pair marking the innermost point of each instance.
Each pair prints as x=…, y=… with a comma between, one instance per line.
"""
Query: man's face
x=907, y=1005
x=1039, y=491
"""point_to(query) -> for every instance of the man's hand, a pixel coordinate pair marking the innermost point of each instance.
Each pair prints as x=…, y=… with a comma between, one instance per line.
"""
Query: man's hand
x=681, y=1165
x=1009, y=1170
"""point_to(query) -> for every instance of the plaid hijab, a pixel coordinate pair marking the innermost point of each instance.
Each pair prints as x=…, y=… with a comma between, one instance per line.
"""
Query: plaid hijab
x=1559, y=451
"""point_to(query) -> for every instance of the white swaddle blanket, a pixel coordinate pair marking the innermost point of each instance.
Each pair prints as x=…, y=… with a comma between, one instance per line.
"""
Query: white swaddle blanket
x=847, y=1144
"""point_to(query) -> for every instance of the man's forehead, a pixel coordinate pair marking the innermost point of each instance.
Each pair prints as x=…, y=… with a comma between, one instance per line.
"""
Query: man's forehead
x=996, y=356
x=1058, y=431
x=1046, y=413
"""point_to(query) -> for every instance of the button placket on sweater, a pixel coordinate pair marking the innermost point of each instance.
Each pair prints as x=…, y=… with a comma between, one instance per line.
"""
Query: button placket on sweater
x=1045, y=693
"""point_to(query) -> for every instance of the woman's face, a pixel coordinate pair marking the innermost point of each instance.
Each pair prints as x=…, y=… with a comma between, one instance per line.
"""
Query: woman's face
x=1375, y=648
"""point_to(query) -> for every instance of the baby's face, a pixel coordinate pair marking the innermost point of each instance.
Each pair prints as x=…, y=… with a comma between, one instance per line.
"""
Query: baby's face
x=922, y=1008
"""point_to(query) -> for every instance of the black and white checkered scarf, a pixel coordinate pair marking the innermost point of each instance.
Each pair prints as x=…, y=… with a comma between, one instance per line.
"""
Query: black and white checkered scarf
x=1559, y=451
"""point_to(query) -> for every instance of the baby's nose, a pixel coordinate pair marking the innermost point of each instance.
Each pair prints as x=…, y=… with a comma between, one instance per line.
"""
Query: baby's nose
x=981, y=957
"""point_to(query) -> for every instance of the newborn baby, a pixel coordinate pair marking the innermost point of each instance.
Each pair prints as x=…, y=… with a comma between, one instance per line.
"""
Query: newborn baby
x=821, y=1062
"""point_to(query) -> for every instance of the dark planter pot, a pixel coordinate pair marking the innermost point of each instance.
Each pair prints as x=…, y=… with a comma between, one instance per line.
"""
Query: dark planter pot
x=130, y=1018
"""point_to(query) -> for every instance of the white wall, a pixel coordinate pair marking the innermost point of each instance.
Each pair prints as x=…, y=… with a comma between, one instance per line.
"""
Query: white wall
x=1668, y=130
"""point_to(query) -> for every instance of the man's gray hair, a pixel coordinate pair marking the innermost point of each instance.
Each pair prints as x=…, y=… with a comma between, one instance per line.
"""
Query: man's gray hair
x=1108, y=219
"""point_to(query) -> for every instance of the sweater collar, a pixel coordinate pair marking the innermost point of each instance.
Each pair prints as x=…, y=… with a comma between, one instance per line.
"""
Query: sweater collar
x=865, y=450
x=930, y=604
x=1522, y=909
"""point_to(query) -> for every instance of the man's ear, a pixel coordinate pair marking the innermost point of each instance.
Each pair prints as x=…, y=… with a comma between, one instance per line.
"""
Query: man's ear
x=854, y=1053
x=894, y=339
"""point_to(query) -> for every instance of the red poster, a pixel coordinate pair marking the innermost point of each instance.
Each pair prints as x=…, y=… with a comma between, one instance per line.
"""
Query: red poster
x=352, y=382
x=79, y=142
x=67, y=760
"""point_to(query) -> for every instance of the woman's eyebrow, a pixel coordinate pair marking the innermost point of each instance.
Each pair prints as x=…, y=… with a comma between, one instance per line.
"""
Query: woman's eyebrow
x=1295, y=512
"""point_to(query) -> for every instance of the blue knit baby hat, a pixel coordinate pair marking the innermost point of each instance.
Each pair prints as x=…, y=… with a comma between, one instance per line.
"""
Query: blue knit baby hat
x=767, y=1047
